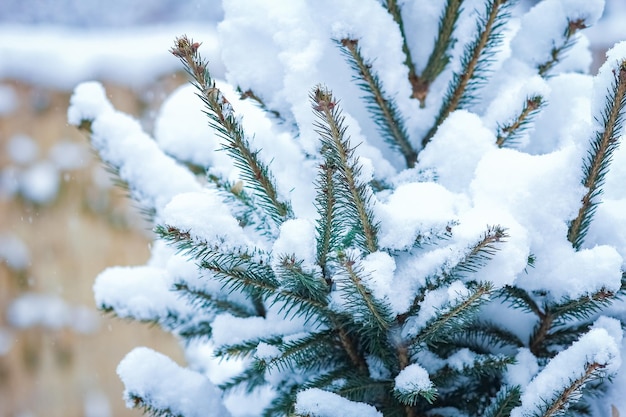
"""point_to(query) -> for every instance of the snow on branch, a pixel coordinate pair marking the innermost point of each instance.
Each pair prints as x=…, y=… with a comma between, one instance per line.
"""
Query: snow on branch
x=610, y=119
x=153, y=177
x=594, y=356
x=156, y=384
x=314, y=402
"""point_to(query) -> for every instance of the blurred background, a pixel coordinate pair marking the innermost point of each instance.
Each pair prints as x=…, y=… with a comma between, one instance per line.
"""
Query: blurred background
x=62, y=221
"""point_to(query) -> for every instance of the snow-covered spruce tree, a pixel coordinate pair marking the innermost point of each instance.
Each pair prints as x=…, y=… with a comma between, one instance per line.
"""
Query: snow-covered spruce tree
x=397, y=208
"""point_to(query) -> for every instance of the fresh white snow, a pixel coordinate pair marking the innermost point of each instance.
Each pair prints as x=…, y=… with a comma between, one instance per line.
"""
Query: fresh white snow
x=462, y=181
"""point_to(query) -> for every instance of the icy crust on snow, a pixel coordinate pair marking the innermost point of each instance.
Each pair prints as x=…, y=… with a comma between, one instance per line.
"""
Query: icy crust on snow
x=163, y=385
x=413, y=378
x=599, y=346
x=153, y=177
x=315, y=402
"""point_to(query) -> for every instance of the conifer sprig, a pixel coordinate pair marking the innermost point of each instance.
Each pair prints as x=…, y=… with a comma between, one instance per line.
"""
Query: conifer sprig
x=209, y=302
x=581, y=308
x=572, y=392
x=412, y=397
x=150, y=409
x=388, y=119
x=250, y=379
x=558, y=52
x=484, y=337
x=481, y=252
x=242, y=271
x=394, y=10
x=353, y=196
x=507, y=133
x=598, y=160
x=313, y=352
x=328, y=240
x=475, y=62
x=439, y=58
x=259, y=101
x=505, y=401
x=476, y=257
x=454, y=318
x=372, y=317
x=243, y=205
x=255, y=173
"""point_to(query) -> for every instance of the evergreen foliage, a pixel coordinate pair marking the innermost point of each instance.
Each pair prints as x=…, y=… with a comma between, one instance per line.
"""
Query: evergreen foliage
x=443, y=353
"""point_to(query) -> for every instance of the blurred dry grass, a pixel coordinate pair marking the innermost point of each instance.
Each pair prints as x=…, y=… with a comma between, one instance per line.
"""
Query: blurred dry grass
x=86, y=229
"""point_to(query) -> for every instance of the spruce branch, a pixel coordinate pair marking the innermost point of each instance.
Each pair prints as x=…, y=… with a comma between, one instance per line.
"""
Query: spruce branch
x=249, y=379
x=507, y=133
x=572, y=392
x=484, y=337
x=505, y=401
x=150, y=409
x=243, y=204
x=598, y=159
x=481, y=252
x=372, y=317
x=456, y=317
x=483, y=365
x=394, y=9
x=564, y=336
x=439, y=58
x=383, y=109
x=477, y=257
x=581, y=308
x=210, y=302
x=239, y=274
x=412, y=397
x=353, y=197
x=245, y=349
x=435, y=235
x=249, y=94
x=314, y=352
x=558, y=52
x=222, y=118
x=148, y=212
x=475, y=62
x=362, y=388
x=242, y=271
x=328, y=240
x=519, y=298
x=196, y=331
x=306, y=284
x=349, y=344
x=537, y=339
